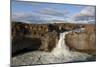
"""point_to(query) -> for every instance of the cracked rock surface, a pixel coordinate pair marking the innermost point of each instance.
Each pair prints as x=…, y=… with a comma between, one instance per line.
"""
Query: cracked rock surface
x=41, y=57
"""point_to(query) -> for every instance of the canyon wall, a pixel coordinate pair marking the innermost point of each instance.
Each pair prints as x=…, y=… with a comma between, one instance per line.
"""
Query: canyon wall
x=45, y=36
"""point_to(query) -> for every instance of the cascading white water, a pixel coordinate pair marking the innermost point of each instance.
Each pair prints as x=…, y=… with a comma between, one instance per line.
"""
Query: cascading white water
x=61, y=50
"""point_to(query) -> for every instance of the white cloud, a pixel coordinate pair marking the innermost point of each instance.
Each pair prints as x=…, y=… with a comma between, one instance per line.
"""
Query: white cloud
x=88, y=11
x=33, y=17
x=44, y=16
x=86, y=15
x=53, y=12
x=16, y=15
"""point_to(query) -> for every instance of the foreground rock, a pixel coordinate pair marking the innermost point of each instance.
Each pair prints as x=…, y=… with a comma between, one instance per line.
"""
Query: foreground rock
x=41, y=57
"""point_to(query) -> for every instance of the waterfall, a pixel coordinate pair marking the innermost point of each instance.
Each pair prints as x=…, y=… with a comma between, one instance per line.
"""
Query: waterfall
x=62, y=52
x=61, y=48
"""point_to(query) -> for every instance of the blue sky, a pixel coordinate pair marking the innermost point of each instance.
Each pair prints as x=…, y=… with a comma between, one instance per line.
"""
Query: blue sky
x=48, y=12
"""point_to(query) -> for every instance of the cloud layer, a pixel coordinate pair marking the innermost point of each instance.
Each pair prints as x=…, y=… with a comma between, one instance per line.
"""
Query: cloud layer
x=86, y=15
x=47, y=13
x=43, y=15
x=53, y=12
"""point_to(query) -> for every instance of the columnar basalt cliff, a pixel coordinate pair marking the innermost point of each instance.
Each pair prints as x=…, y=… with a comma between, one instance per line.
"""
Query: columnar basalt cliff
x=45, y=36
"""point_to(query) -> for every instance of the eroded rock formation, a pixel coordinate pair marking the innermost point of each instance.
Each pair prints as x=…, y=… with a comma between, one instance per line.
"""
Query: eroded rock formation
x=45, y=36
x=83, y=41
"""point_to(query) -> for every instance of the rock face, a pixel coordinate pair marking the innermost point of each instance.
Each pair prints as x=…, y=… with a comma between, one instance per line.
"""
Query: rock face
x=20, y=43
x=49, y=41
x=33, y=36
x=84, y=41
x=45, y=36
